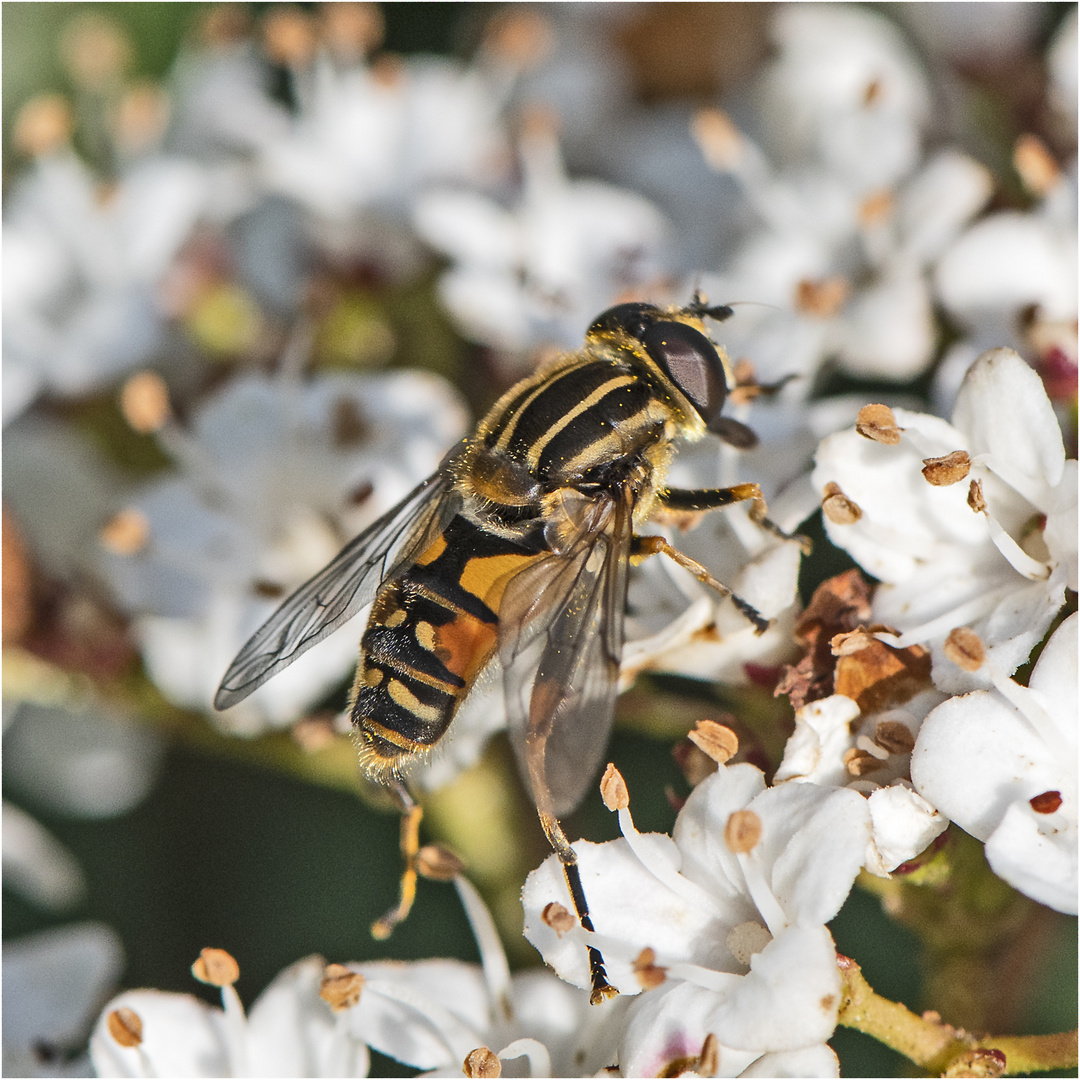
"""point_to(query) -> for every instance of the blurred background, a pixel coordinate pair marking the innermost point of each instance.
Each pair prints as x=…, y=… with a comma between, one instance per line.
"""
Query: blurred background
x=264, y=264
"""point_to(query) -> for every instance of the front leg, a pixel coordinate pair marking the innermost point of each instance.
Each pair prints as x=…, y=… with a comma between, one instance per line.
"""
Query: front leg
x=696, y=500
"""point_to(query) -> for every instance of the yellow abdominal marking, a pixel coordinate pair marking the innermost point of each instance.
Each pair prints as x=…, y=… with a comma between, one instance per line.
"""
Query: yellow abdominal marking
x=426, y=637
x=488, y=576
x=372, y=676
x=401, y=695
x=438, y=546
x=396, y=619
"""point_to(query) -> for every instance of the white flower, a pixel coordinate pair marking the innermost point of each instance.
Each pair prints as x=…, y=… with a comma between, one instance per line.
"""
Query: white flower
x=540, y=273
x=266, y=494
x=374, y=139
x=80, y=269
x=844, y=89
x=1001, y=763
x=289, y=1031
x=54, y=982
x=728, y=915
x=318, y=1021
x=944, y=562
x=831, y=732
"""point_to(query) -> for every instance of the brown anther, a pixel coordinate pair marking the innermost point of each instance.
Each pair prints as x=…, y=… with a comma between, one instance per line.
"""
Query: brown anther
x=977, y=1063
x=851, y=642
x=716, y=740
x=1046, y=803
x=719, y=140
x=314, y=733
x=860, y=762
x=878, y=424
x=976, y=500
x=520, y=36
x=482, y=1062
x=95, y=51
x=42, y=125
x=950, y=469
x=347, y=425
x=648, y=974
x=144, y=401
x=871, y=92
x=141, y=116
x=216, y=967
x=837, y=507
x=340, y=987
x=224, y=25
x=742, y=831
x=17, y=608
x=1038, y=170
x=613, y=789
x=125, y=1026
x=709, y=1058
x=822, y=298
x=289, y=36
x=437, y=863
x=965, y=649
x=876, y=208
x=895, y=737
x=127, y=533
x=558, y=918
x=353, y=30
x=388, y=71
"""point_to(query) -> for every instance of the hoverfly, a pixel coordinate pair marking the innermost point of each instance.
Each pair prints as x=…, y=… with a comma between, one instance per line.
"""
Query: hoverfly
x=518, y=547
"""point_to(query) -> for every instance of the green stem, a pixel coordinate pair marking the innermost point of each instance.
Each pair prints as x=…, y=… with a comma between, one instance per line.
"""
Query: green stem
x=940, y=1048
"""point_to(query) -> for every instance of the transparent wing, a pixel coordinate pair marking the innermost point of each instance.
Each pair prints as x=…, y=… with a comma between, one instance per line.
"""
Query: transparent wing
x=337, y=593
x=561, y=636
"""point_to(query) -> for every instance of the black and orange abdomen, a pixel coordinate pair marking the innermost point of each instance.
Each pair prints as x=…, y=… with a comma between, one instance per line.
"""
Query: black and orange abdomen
x=430, y=633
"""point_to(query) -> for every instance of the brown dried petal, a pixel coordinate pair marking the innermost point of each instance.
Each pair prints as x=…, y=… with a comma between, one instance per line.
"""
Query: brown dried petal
x=950, y=469
x=877, y=423
x=976, y=500
x=879, y=676
x=852, y=642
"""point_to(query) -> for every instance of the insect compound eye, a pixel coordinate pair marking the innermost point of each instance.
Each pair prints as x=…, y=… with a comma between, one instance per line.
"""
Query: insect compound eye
x=691, y=361
x=632, y=319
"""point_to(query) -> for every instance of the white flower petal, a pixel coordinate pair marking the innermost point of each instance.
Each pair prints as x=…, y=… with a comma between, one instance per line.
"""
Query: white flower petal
x=790, y=998
x=904, y=824
x=812, y=1061
x=1036, y=853
x=181, y=1036
x=1003, y=410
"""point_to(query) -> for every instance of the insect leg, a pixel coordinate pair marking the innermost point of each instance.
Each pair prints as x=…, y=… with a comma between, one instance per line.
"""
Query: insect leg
x=644, y=546
x=690, y=500
x=536, y=742
x=411, y=813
